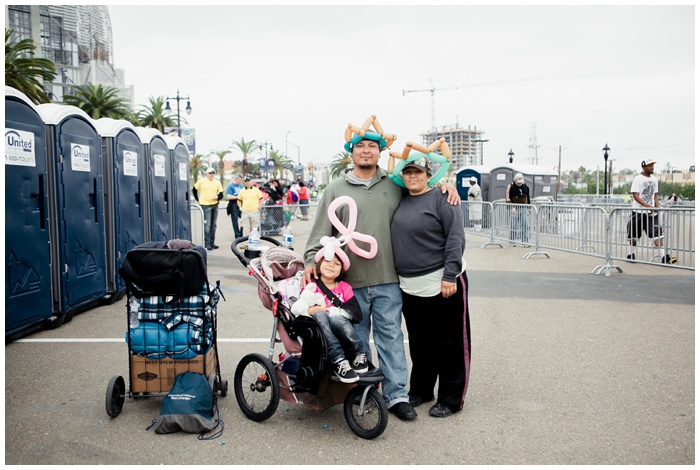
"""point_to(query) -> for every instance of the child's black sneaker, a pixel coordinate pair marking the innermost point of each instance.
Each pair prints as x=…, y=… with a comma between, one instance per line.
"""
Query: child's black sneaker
x=342, y=372
x=668, y=259
x=359, y=364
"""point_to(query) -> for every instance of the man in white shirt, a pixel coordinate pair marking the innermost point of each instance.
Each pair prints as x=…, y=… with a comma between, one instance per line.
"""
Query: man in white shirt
x=645, y=193
x=474, y=195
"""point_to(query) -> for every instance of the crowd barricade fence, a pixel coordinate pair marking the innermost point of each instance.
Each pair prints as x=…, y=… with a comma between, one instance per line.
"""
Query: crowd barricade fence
x=598, y=230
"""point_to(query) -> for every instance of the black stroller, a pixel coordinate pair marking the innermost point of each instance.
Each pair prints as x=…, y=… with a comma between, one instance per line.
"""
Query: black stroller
x=171, y=321
x=300, y=375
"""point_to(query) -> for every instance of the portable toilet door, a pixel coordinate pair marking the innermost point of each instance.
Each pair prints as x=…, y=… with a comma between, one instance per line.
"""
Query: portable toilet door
x=123, y=166
x=499, y=179
x=481, y=173
x=179, y=182
x=27, y=249
x=158, y=197
x=76, y=212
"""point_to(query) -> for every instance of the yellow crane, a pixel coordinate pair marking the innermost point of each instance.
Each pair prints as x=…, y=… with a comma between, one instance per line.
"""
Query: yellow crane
x=432, y=91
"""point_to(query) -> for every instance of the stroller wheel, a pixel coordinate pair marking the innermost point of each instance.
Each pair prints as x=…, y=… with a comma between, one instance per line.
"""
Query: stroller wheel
x=114, y=399
x=257, y=387
x=369, y=419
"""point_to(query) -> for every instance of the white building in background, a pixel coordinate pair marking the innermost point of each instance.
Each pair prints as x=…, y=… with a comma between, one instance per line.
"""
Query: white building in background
x=77, y=38
x=466, y=145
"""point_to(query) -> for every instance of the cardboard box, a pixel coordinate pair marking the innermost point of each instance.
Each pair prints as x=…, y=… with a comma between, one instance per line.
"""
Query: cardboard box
x=158, y=375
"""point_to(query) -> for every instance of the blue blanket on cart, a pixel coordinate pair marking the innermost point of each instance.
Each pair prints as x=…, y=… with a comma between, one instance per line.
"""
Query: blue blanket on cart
x=172, y=327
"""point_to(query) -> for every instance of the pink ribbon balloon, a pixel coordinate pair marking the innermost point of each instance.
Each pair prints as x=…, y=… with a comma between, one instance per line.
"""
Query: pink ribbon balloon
x=333, y=246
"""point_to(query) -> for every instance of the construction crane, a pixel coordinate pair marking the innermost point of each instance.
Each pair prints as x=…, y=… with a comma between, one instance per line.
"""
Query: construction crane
x=432, y=91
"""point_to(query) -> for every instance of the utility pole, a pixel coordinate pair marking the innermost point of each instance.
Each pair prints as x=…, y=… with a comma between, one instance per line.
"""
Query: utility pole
x=558, y=176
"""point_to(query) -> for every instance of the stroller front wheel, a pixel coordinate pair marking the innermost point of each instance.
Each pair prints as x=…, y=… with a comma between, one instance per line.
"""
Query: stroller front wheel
x=257, y=387
x=369, y=419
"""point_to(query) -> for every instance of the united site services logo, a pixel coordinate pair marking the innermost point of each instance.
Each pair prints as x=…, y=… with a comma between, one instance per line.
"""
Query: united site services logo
x=19, y=148
x=79, y=157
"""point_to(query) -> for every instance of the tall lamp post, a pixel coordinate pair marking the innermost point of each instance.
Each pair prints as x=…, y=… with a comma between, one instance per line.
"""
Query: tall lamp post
x=188, y=109
x=605, y=179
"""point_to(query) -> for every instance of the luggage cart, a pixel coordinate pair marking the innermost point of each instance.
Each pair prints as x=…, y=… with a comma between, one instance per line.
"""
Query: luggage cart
x=171, y=321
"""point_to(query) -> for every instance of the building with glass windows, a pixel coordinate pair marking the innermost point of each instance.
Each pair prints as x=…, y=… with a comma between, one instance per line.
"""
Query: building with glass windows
x=77, y=38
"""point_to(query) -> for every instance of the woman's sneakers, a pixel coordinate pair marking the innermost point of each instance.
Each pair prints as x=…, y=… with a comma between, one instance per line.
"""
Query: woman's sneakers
x=342, y=372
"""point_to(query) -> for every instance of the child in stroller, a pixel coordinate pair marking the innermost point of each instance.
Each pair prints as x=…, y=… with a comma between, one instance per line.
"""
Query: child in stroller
x=336, y=313
x=300, y=376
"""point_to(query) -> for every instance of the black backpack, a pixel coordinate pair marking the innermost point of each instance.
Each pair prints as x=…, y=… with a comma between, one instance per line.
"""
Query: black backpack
x=153, y=268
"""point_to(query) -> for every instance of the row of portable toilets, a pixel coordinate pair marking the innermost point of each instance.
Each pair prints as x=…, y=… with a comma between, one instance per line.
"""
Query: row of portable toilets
x=79, y=194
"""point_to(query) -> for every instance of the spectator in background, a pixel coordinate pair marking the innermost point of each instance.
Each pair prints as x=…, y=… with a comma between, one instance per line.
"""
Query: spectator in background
x=518, y=193
x=303, y=201
x=208, y=192
x=474, y=195
x=645, y=193
x=250, y=201
x=232, y=209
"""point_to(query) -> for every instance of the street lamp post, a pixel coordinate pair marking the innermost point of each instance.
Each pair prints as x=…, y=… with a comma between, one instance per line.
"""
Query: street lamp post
x=188, y=109
x=605, y=156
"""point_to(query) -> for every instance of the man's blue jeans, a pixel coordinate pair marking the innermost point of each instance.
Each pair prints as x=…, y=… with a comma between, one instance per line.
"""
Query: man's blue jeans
x=340, y=335
x=211, y=213
x=518, y=225
x=381, y=311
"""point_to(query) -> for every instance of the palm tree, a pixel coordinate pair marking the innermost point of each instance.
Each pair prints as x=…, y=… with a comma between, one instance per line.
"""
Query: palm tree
x=221, y=154
x=282, y=162
x=24, y=72
x=99, y=101
x=155, y=116
x=340, y=163
x=197, y=166
x=246, y=148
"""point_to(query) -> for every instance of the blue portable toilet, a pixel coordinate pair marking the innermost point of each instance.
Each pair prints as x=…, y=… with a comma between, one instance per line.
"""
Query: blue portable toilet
x=123, y=166
x=27, y=250
x=76, y=212
x=481, y=173
x=180, y=182
x=541, y=181
x=158, y=193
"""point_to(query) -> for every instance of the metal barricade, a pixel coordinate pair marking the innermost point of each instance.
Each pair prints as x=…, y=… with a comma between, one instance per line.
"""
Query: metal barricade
x=516, y=224
x=197, y=220
x=572, y=227
x=589, y=230
x=477, y=217
x=675, y=228
x=274, y=218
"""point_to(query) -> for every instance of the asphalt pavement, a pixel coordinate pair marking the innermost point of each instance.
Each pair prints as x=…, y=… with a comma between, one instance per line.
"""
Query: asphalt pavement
x=568, y=367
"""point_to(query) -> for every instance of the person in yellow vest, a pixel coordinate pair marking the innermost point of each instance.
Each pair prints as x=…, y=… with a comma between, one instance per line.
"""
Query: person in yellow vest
x=208, y=192
x=250, y=200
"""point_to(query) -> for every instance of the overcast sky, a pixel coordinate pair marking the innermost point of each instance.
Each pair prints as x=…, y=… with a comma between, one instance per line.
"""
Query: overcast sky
x=579, y=76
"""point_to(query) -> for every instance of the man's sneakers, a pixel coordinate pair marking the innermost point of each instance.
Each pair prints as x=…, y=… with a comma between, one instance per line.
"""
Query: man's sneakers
x=403, y=410
x=342, y=372
x=668, y=259
x=631, y=257
x=359, y=364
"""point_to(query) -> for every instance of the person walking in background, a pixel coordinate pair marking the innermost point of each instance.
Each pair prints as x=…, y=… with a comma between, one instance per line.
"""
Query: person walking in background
x=645, y=193
x=250, y=200
x=232, y=208
x=474, y=195
x=434, y=288
x=304, y=201
x=517, y=192
x=208, y=192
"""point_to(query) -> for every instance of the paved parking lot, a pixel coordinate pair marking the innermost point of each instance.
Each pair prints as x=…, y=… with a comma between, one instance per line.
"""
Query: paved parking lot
x=568, y=368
